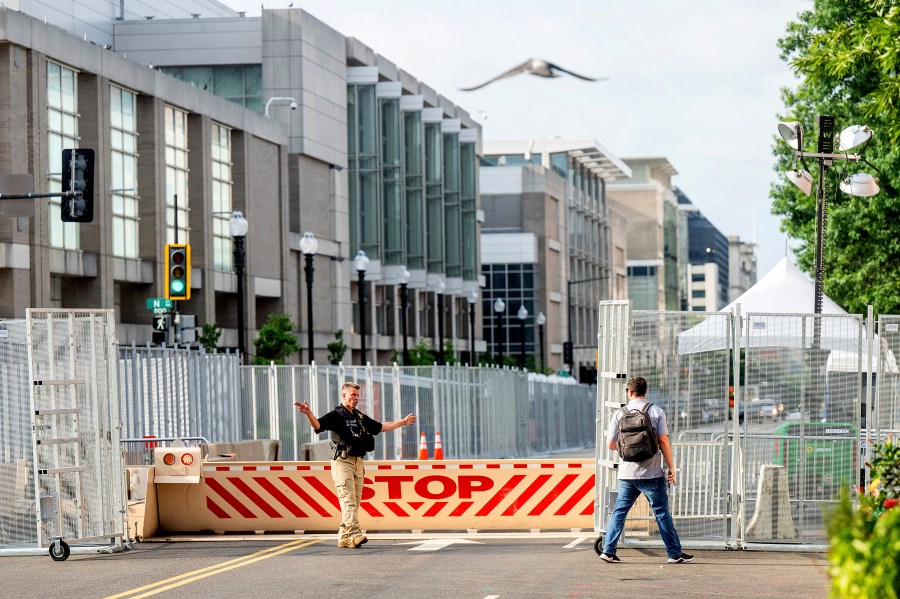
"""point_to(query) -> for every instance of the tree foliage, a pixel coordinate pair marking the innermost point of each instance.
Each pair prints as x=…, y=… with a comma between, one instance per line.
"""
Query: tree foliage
x=209, y=337
x=276, y=340
x=337, y=348
x=847, y=53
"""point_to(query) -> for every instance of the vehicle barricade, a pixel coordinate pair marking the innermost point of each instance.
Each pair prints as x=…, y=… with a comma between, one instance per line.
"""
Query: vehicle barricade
x=398, y=495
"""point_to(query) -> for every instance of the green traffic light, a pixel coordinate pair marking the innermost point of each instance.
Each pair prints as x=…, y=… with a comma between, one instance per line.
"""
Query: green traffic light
x=177, y=287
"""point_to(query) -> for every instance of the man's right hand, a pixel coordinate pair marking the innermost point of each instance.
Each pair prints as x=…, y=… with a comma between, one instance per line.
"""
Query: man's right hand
x=302, y=406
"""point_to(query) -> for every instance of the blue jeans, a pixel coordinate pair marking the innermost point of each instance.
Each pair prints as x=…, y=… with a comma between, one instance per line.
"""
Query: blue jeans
x=654, y=489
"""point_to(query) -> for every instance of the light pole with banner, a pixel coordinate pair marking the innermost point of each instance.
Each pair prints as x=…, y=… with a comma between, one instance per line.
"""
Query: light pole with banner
x=522, y=315
x=472, y=297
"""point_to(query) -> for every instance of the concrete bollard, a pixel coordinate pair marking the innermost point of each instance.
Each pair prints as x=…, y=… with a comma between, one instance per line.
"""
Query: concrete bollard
x=772, y=518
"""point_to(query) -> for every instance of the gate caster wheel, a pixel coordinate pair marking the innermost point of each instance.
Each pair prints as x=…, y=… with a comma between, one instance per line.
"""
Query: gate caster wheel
x=59, y=551
x=598, y=545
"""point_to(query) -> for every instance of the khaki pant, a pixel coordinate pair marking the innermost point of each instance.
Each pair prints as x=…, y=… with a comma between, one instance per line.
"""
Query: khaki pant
x=347, y=474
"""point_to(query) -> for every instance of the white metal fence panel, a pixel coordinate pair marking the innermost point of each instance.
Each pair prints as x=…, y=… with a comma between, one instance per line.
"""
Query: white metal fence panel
x=614, y=352
x=801, y=396
x=479, y=413
x=77, y=462
x=177, y=392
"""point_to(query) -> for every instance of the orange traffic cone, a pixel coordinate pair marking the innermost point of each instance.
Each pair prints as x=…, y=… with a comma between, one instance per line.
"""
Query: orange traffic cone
x=423, y=447
x=438, y=446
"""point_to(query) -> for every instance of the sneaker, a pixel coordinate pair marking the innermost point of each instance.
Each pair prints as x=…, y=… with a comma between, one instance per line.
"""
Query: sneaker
x=610, y=559
x=682, y=559
x=360, y=541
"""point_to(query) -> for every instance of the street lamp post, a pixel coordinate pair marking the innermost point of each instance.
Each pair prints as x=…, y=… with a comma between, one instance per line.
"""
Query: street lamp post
x=238, y=226
x=361, y=262
x=308, y=246
x=860, y=184
x=441, y=287
x=472, y=297
x=522, y=314
x=540, y=320
x=404, y=276
x=499, y=306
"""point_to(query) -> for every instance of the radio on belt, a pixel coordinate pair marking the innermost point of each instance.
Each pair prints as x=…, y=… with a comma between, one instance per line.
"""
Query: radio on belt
x=177, y=464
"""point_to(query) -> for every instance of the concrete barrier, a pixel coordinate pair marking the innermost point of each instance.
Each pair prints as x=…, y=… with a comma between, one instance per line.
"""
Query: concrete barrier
x=398, y=495
x=259, y=450
x=772, y=518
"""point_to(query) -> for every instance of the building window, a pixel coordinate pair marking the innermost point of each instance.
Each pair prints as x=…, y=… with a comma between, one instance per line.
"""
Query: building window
x=434, y=198
x=176, y=176
x=123, y=172
x=392, y=181
x=514, y=284
x=239, y=84
x=452, y=231
x=62, y=125
x=698, y=277
x=698, y=293
x=221, y=197
x=468, y=209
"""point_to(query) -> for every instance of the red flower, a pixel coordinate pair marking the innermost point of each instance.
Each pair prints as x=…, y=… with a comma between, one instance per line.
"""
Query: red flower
x=889, y=503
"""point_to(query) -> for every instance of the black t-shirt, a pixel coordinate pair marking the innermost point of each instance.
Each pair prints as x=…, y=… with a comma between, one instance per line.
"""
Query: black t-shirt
x=356, y=430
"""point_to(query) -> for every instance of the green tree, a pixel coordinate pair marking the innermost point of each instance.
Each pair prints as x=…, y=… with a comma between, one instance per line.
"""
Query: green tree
x=337, y=348
x=276, y=340
x=847, y=53
x=209, y=337
x=422, y=354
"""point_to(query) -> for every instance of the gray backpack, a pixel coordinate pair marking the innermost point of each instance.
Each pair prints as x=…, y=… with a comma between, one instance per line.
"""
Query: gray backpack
x=638, y=440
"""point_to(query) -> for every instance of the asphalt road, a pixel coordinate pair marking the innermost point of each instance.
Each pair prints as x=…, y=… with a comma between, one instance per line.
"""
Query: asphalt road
x=476, y=566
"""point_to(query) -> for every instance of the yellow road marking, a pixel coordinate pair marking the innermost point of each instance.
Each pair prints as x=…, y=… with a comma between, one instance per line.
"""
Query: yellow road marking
x=195, y=575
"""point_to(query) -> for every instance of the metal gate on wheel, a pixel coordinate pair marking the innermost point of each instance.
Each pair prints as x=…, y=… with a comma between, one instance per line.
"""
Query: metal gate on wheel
x=645, y=343
x=76, y=466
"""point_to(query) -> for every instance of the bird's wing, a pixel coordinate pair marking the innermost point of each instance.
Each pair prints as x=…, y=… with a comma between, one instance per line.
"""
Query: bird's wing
x=556, y=67
x=513, y=71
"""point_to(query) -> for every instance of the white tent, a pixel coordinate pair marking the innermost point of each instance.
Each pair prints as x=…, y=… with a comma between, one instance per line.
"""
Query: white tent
x=777, y=313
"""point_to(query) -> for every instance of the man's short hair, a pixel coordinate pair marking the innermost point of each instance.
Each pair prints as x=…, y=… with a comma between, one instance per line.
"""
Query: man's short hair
x=349, y=385
x=637, y=385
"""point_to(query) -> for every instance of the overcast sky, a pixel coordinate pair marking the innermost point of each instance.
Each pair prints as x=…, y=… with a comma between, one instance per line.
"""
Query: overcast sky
x=694, y=81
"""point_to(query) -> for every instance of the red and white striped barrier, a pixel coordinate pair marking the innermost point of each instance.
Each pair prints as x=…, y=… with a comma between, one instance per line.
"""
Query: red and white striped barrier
x=451, y=495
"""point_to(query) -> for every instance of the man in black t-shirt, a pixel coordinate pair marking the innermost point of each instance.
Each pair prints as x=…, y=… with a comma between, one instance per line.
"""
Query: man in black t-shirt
x=352, y=435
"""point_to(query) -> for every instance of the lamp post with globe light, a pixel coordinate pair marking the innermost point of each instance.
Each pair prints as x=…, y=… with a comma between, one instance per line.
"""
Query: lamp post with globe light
x=308, y=246
x=499, y=307
x=238, y=227
x=361, y=263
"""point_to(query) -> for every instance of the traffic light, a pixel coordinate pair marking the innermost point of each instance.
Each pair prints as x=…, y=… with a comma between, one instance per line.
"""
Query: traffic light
x=568, y=354
x=178, y=271
x=78, y=176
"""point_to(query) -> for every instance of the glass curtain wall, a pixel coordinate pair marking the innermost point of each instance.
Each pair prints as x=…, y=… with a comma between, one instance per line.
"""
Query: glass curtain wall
x=392, y=181
x=468, y=209
x=62, y=133
x=414, y=168
x=363, y=155
x=434, y=198
x=452, y=214
x=123, y=172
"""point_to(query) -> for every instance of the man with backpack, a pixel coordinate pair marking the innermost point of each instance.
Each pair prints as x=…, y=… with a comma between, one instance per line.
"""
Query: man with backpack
x=638, y=432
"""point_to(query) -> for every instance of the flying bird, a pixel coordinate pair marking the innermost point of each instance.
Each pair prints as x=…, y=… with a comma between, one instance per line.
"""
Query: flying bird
x=535, y=66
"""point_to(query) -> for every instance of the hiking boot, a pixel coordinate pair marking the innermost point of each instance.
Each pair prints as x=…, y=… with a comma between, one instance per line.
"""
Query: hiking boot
x=346, y=544
x=610, y=559
x=359, y=541
x=681, y=559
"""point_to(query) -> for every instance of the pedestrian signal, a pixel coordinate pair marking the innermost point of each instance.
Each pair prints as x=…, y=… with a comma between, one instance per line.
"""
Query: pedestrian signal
x=178, y=272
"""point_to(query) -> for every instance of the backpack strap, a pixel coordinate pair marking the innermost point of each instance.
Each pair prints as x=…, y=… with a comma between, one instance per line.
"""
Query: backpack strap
x=624, y=410
x=645, y=408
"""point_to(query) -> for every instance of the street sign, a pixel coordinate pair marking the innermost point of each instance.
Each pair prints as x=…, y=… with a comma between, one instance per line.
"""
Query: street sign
x=153, y=303
x=161, y=324
x=158, y=311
